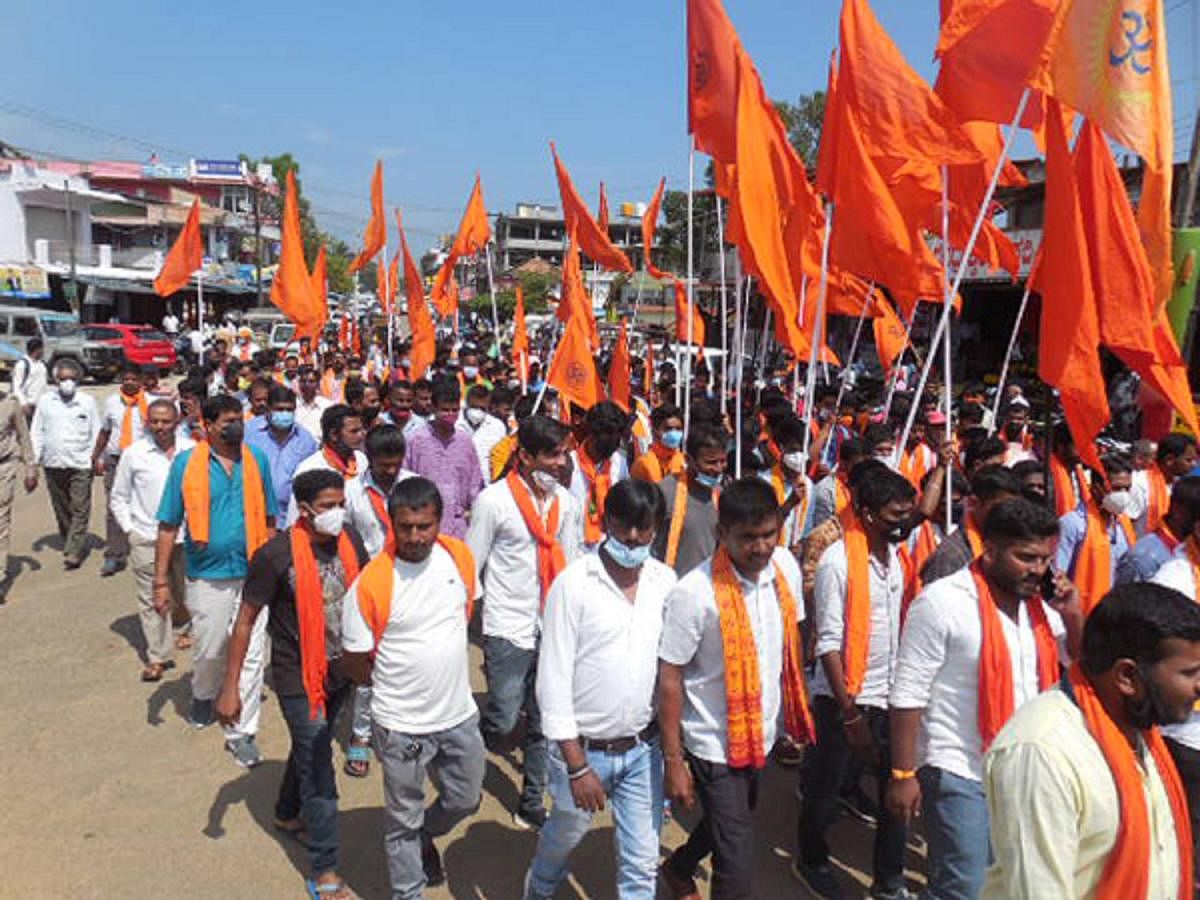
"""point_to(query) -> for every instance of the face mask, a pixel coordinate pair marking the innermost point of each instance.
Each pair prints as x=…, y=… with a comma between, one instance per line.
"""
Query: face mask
x=400, y=416
x=898, y=533
x=625, y=556
x=66, y=388
x=544, y=480
x=795, y=461
x=330, y=522
x=1116, y=502
x=708, y=481
x=447, y=418
x=514, y=384
x=672, y=439
x=475, y=416
x=283, y=419
x=233, y=432
x=470, y=371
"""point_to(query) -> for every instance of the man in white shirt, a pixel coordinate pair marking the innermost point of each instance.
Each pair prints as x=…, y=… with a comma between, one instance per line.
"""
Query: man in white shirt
x=1058, y=821
x=29, y=376
x=859, y=578
x=752, y=571
x=63, y=432
x=137, y=489
x=404, y=630
x=597, y=668
x=342, y=437
x=517, y=570
x=485, y=429
x=597, y=465
x=938, y=735
x=170, y=323
x=310, y=404
x=121, y=423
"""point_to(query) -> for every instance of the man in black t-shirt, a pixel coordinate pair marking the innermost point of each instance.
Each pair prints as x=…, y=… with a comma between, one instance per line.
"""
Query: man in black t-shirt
x=330, y=557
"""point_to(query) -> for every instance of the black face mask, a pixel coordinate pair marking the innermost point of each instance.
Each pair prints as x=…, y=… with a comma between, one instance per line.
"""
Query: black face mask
x=233, y=432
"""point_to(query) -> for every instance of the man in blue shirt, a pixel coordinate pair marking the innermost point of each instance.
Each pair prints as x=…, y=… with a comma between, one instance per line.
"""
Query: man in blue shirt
x=216, y=569
x=282, y=441
x=1155, y=548
x=1113, y=501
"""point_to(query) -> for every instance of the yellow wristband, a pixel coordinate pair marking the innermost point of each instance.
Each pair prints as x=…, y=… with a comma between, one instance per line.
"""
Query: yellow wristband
x=903, y=774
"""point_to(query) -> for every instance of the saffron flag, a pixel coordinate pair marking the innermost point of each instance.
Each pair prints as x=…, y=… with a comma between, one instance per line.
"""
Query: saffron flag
x=649, y=226
x=424, y=341
x=593, y=240
x=375, y=235
x=681, y=317
x=292, y=289
x=573, y=371
x=1068, y=351
x=712, y=79
x=890, y=335
x=390, y=284
x=618, y=372
x=573, y=298
x=520, y=341
x=319, y=281
x=185, y=256
x=473, y=234
x=602, y=211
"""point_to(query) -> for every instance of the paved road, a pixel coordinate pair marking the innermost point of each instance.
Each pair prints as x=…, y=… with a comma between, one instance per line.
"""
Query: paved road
x=107, y=792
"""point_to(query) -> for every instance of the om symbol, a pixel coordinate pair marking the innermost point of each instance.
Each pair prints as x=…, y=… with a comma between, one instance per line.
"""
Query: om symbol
x=1135, y=24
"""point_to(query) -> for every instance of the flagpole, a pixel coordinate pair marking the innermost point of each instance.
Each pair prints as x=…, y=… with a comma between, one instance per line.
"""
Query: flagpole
x=810, y=377
x=724, y=313
x=800, y=323
x=887, y=406
x=1012, y=343
x=691, y=295
x=738, y=328
x=853, y=347
x=487, y=256
x=1010, y=138
x=947, y=366
x=389, y=301
x=200, y=301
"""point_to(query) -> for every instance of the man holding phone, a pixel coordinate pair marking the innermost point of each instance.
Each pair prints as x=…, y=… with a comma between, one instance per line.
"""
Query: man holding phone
x=976, y=645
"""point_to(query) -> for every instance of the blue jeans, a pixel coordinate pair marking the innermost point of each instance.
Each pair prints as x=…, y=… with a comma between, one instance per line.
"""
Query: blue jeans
x=309, y=788
x=956, y=826
x=511, y=673
x=633, y=782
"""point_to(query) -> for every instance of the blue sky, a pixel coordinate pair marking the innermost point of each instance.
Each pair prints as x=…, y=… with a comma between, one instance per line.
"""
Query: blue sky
x=438, y=90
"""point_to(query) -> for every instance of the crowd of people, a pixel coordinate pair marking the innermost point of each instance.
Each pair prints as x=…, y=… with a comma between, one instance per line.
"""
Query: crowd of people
x=977, y=632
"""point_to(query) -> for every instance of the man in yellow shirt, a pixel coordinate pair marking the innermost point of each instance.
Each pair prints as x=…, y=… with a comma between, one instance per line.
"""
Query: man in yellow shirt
x=665, y=456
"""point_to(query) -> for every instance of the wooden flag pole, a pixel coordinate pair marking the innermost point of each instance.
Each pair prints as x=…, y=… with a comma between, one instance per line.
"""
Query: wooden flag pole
x=810, y=380
x=947, y=307
x=724, y=314
x=947, y=366
x=691, y=295
x=1012, y=343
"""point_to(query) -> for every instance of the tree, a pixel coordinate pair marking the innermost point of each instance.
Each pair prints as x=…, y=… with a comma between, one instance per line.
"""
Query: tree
x=803, y=120
x=536, y=288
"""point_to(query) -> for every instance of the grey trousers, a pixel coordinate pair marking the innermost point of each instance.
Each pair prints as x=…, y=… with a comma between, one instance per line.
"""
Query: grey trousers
x=116, y=542
x=454, y=759
x=71, y=499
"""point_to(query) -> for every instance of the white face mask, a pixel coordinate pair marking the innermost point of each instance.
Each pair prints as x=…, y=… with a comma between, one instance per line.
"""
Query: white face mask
x=544, y=480
x=330, y=522
x=475, y=416
x=796, y=461
x=1117, y=502
x=66, y=387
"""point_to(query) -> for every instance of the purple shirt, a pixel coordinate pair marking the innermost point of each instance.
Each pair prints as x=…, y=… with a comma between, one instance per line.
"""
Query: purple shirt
x=451, y=464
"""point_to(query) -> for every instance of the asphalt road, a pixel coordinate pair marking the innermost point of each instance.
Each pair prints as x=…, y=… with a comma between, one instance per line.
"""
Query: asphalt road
x=107, y=792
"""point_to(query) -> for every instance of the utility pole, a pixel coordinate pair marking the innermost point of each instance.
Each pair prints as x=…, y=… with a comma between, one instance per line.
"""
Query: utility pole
x=256, y=187
x=1185, y=203
x=72, y=291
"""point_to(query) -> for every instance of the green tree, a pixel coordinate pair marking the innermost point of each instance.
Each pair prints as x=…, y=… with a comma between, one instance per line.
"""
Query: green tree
x=803, y=120
x=536, y=288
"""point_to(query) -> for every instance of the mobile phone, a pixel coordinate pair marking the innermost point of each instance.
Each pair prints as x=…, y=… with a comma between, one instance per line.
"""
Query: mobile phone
x=1048, y=588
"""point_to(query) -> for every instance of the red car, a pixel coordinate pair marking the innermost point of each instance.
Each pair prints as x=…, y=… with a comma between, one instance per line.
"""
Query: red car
x=141, y=344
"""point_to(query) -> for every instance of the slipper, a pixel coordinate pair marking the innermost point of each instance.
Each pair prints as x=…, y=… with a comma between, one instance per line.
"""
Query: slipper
x=358, y=761
x=324, y=891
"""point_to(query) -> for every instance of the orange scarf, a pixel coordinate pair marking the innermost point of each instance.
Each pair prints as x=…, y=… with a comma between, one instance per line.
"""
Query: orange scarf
x=841, y=496
x=743, y=685
x=974, y=536
x=138, y=400
x=331, y=388
x=1159, y=499
x=856, y=640
x=1167, y=536
x=196, y=498
x=916, y=464
x=996, y=698
x=376, y=585
x=599, y=480
x=381, y=513
x=1127, y=871
x=1066, y=495
x=310, y=610
x=1093, y=562
x=660, y=462
x=345, y=469
x=678, y=515
x=550, y=557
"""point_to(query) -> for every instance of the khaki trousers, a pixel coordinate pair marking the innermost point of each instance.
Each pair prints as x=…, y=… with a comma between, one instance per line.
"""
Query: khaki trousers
x=8, y=481
x=156, y=629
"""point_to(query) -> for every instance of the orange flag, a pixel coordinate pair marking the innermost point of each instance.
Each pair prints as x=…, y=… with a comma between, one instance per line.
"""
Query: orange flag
x=319, y=281
x=900, y=116
x=712, y=79
x=649, y=226
x=473, y=234
x=1068, y=353
x=185, y=257
x=602, y=211
x=292, y=289
x=573, y=298
x=424, y=341
x=573, y=371
x=375, y=235
x=1109, y=62
x=890, y=335
x=593, y=240
x=520, y=341
x=681, y=317
x=1122, y=275
x=619, y=388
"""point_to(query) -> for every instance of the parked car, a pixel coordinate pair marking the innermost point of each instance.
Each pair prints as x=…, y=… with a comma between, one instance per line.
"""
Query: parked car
x=141, y=344
x=63, y=338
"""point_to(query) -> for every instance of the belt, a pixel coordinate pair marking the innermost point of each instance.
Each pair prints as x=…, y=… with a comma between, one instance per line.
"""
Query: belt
x=621, y=744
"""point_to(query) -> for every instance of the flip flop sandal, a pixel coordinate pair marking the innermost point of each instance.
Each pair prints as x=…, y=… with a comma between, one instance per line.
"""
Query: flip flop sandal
x=358, y=761
x=324, y=891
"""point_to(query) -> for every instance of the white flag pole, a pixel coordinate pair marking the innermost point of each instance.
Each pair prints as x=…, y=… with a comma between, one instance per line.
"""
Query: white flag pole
x=1012, y=343
x=691, y=295
x=724, y=313
x=947, y=367
x=818, y=337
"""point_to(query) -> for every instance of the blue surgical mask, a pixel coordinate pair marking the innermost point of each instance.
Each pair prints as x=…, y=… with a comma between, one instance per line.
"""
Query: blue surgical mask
x=625, y=556
x=708, y=481
x=283, y=418
x=672, y=439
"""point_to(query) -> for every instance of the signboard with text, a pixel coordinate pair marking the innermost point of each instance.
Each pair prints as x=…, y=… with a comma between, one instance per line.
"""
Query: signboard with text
x=25, y=282
x=1027, y=241
x=217, y=169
